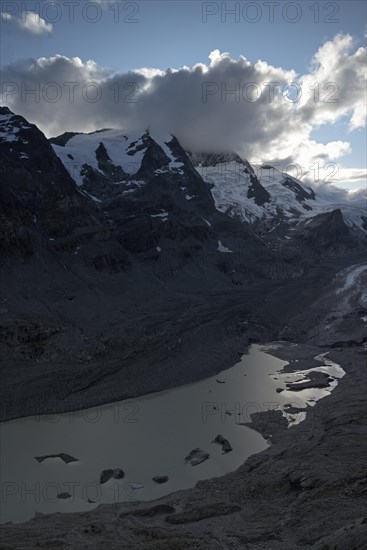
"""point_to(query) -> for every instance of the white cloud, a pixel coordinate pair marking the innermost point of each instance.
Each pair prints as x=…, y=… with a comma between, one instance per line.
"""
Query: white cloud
x=6, y=17
x=34, y=24
x=262, y=112
x=336, y=84
x=29, y=22
x=352, y=174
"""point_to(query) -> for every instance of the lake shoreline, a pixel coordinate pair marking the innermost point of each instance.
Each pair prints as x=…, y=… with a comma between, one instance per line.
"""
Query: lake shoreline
x=300, y=491
x=225, y=418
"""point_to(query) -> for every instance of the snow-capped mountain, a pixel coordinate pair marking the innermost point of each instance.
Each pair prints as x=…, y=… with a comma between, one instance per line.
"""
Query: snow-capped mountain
x=264, y=197
x=108, y=164
x=269, y=196
x=112, y=148
x=159, y=252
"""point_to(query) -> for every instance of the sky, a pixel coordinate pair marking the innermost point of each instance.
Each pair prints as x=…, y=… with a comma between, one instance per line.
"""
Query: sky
x=297, y=71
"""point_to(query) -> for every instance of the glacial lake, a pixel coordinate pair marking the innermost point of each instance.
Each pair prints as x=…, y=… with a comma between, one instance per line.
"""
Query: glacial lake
x=146, y=437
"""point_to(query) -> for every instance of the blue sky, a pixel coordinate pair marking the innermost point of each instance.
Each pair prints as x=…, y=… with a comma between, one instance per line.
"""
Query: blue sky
x=173, y=33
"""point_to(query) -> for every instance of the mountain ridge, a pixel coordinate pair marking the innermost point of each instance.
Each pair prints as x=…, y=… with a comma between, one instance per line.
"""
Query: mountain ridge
x=131, y=279
x=270, y=195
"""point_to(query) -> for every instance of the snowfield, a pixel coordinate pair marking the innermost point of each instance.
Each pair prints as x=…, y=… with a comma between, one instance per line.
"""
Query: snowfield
x=124, y=151
x=351, y=275
x=271, y=197
x=231, y=184
x=81, y=149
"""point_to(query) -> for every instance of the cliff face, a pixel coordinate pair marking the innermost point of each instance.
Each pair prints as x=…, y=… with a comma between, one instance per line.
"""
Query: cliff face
x=39, y=200
x=327, y=231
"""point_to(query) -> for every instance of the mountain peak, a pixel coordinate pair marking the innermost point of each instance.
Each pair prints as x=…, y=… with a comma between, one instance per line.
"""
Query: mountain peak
x=108, y=162
x=5, y=111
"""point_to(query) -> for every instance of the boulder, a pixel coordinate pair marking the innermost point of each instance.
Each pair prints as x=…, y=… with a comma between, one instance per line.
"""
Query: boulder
x=160, y=479
x=226, y=446
x=65, y=457
x=108, y=474
x=63, y=496
x=196, y=456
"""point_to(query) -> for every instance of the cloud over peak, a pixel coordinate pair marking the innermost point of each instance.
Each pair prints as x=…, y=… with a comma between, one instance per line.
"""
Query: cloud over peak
x=260, y=111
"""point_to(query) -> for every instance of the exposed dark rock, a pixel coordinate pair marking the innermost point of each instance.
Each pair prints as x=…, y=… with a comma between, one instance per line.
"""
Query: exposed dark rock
x=213, y=159
x=151, y=511
x=197, y=456
x=160, y=479
x=315, y=379
x=268, y=423
x=38, y=197
x=201, y=512
x=102, y=155
x=106, y=475
x=257, y=191
x=293, y=410
x=65, y=457
x=300, y=192
x=349, y=343
x=226, y=446
x=63, y=138
x=63, y=496
x=327, y=232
